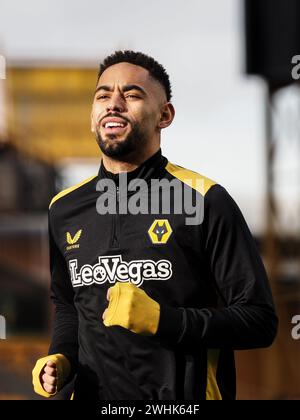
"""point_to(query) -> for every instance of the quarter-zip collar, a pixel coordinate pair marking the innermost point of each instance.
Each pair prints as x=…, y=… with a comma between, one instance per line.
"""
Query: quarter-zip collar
x=149, y=169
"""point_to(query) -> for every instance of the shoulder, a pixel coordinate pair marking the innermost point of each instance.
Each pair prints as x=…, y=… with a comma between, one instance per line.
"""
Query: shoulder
x=220, y=208
x=194, y=179
x=68, y=194
x=218, y=203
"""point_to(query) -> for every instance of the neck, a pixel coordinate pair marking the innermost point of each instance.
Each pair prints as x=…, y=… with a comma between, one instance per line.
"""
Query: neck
x=130, y=162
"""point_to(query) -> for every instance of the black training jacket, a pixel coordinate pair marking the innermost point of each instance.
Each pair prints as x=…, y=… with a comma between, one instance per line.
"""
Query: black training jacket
x=208, y=278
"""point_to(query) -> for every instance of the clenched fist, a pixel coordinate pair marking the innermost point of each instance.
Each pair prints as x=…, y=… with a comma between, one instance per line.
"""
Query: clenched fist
x=131, y=308
x=48, y=377
x=50, y=374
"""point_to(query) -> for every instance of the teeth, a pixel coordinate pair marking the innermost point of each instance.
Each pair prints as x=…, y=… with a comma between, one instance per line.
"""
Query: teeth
x=114, y=124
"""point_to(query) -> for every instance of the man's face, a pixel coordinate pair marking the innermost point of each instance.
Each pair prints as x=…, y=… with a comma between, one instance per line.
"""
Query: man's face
x=126, y=109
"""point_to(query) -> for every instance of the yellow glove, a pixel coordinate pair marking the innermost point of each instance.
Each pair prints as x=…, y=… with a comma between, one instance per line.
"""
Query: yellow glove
x=63, y=370
x=131, y=308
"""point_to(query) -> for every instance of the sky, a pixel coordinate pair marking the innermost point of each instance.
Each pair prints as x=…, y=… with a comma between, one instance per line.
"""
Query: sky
x=219, y=124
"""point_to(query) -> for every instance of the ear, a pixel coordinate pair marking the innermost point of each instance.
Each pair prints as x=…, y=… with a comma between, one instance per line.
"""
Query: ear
x=167, y=115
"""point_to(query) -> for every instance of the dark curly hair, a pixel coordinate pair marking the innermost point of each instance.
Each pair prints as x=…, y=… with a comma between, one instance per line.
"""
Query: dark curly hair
x=155, y=69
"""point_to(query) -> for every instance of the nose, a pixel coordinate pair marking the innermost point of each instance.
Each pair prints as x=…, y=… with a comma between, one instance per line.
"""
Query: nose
x=116, y=103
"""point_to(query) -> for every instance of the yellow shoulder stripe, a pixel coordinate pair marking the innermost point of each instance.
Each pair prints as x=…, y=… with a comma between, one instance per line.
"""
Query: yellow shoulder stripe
x=70, y=189
x=193, y=179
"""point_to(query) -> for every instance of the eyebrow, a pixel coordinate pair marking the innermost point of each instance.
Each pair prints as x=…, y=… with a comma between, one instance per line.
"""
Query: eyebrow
x=125, y=88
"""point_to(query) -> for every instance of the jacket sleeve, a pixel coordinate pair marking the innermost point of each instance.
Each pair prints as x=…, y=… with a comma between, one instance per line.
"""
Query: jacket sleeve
x=65, y=326
x=246, y=319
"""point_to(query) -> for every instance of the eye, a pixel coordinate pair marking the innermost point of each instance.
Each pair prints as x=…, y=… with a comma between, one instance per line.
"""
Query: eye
x=101, y=97
x=131, y=95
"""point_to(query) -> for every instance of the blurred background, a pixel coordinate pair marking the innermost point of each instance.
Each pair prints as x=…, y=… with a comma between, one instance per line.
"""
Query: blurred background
x=237, y=121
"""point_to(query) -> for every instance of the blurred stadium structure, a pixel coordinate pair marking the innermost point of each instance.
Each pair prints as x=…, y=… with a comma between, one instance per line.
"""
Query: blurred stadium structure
x=272, y=40
x=45, y=146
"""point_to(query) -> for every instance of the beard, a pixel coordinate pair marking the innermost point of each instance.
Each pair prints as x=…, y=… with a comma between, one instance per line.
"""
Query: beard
x=118, y=149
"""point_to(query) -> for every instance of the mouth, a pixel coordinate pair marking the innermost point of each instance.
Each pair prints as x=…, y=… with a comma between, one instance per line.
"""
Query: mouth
x=112, y=125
